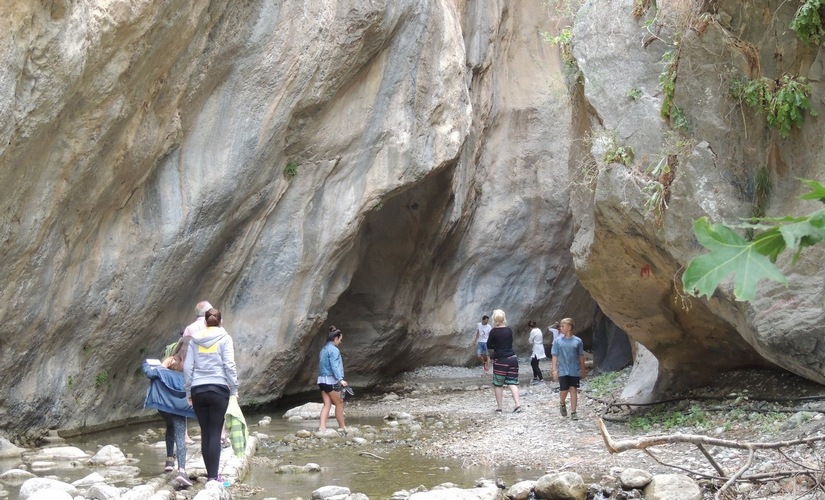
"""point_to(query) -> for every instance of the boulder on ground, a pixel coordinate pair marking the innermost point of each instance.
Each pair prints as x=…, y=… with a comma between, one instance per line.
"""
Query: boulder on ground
x=9, y=449
x=109, y=455
x=39, y=485
x=635, y=478
x=672, y=487
x=561, y=486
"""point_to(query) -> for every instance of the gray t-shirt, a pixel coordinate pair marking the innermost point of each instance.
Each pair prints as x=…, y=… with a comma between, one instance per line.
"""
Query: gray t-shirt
x=568, y=351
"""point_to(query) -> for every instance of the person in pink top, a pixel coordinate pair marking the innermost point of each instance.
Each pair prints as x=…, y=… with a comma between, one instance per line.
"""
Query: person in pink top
x=199, y=323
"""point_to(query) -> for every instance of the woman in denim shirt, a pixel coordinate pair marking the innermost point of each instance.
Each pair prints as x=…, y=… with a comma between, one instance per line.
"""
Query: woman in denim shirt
x=331, y=373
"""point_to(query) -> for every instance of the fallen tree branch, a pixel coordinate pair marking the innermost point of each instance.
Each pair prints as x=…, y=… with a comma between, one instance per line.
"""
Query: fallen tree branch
x=711, y=460
x=736, y=476
x=371, y=455
x=642, y=443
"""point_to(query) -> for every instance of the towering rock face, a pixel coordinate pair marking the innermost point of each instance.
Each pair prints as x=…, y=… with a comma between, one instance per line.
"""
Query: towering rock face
x=726, y=163
x=396, y=168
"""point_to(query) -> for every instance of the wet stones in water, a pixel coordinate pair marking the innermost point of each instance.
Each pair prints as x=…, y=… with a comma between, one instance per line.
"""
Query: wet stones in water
x=298, y=469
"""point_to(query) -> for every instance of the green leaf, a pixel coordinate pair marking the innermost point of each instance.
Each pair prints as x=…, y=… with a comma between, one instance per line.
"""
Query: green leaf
x=729, y=254
x=817, y=191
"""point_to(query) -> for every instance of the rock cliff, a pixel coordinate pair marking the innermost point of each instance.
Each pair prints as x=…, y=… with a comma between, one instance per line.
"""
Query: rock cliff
x=396, y=168
x=684, y=61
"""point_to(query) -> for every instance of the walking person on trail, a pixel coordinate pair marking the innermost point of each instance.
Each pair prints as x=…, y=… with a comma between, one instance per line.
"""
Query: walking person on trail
x=330, y=375
x=482, y=334
x=568, y=366
x=537, y=341
x=505, y=361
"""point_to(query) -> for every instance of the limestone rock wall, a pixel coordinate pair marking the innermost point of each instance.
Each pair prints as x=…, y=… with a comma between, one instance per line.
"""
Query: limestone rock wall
x=396, y=168
x=629, y=257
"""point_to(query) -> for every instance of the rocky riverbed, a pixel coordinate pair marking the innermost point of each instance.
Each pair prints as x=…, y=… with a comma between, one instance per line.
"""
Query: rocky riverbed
x=457, y=407
x=448, y=413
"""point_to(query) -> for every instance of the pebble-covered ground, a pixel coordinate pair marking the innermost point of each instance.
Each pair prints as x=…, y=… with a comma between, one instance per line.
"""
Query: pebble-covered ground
x=461, y=403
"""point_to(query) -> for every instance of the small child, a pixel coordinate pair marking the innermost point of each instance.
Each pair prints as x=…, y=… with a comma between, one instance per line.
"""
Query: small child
x=568, y=366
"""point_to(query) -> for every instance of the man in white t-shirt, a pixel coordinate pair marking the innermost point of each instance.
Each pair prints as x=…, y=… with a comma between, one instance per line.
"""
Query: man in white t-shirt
x=482, y=333
x=199, y=323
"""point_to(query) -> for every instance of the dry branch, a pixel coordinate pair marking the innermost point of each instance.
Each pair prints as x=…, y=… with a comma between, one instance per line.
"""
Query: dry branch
x=645, y=442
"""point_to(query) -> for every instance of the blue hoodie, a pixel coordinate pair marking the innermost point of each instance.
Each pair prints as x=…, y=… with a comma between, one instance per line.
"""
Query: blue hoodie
x=166, y=391
x=211, y=360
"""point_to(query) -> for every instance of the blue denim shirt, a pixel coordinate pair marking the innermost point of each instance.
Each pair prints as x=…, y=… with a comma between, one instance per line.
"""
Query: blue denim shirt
x=166, y=391
x=330, y=363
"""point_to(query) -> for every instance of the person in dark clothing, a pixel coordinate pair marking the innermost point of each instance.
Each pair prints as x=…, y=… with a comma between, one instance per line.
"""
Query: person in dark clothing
x=505, y=361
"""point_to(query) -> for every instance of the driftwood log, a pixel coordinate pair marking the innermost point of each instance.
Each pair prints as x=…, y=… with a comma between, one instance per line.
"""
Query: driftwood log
x=702, y=442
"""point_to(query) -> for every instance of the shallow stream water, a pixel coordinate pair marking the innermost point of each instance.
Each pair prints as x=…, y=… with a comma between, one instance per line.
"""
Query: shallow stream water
x=378, y=468
x=359, y=469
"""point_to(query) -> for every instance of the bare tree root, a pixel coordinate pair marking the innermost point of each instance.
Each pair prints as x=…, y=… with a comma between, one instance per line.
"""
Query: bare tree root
x=813, y=471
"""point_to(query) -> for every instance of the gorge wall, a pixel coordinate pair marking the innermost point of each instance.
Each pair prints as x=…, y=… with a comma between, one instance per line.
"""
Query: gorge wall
x=383, y=166
x=397, y=168
x=726, y=163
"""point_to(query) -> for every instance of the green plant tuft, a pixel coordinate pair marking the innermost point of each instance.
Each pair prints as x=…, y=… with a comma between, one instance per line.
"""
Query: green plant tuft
x=605, y=383
x=807, y=22
x=290, y=170
x=101, y=378
x=667, y=80
x=634, y=94
x=619, y=154
x=784, y=101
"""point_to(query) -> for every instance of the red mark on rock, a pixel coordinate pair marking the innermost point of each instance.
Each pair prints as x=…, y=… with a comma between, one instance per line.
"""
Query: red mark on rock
x=645, y=271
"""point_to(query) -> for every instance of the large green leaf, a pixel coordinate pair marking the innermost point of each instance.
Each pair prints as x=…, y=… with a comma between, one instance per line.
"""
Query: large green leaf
x=729, y=254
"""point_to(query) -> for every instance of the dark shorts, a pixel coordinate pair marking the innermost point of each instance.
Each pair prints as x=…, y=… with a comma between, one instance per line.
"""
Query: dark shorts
x=566, y=382
x=326, y=388
x=505, y=371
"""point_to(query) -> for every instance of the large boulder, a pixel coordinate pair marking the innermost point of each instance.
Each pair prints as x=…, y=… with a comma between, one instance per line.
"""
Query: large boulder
x=724, y=162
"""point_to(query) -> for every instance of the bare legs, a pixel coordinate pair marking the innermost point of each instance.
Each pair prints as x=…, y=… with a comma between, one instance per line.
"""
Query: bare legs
x=332, y=398
x=499, y=392
x=574, y=397
x=485, y=362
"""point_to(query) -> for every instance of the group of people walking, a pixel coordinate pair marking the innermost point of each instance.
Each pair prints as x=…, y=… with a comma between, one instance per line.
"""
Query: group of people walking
x=196, y=380
x=494, y=346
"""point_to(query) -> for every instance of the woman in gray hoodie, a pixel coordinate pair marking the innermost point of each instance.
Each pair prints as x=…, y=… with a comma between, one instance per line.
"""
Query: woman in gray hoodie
x=210, y=379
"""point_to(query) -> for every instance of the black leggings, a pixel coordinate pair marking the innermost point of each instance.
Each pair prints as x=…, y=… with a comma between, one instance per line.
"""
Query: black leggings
x=210, y=408
x=534, y=362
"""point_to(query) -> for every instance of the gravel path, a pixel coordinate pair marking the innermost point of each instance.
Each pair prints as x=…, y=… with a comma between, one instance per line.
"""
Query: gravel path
x=458, y=407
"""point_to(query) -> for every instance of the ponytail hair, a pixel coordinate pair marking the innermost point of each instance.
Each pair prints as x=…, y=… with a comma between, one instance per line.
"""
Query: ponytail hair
x=333, y=334
x=213, y=317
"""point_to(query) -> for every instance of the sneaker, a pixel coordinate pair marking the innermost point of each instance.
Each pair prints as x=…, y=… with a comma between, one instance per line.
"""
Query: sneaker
x=563, y=410
x=183, y=479
x=170, y=465
x=573, y=416
x=535, y=382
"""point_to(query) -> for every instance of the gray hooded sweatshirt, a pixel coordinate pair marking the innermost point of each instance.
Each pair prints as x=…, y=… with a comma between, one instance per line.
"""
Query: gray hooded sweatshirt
x=211, y=360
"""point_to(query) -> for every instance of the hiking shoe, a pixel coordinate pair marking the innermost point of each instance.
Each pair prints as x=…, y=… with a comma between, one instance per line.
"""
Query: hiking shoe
x=183, y=479
x=563, y=410
x=573, y=416
x=170, y=465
